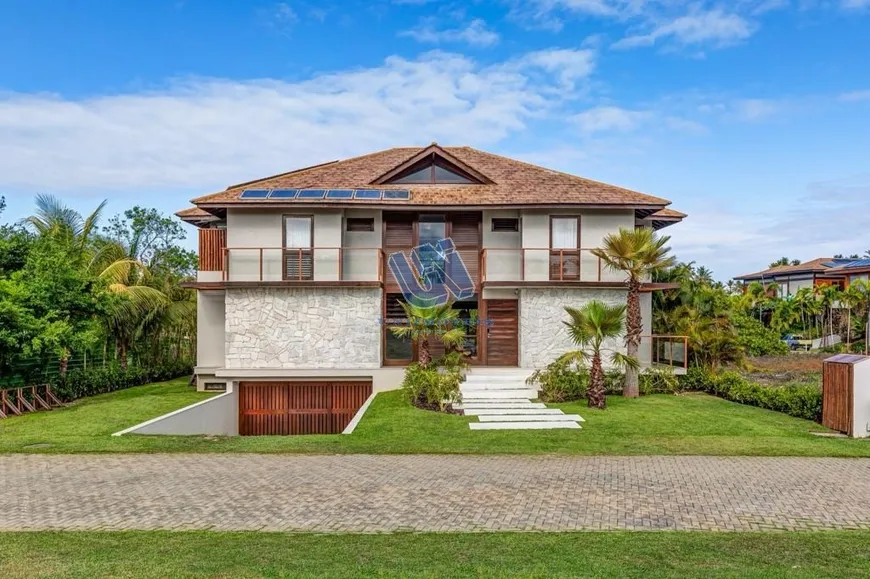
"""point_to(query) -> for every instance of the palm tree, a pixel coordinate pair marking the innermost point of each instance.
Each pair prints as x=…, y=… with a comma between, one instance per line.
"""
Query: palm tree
x=54, y=218
x=589, y=328
x=639, y=253
x=423, y=323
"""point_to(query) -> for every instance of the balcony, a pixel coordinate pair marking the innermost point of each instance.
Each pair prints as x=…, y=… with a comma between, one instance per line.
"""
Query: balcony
x=303, y=265
x=502, y=265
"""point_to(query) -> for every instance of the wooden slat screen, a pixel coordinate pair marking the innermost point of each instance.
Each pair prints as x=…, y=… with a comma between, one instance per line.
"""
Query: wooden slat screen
x=212, y=243
x=398, y=236
x=285, y=408
x=837, y=396
x=466, y=235
x=298, y=264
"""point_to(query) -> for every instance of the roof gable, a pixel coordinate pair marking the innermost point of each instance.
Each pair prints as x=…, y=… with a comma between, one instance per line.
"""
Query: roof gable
x=504, y=182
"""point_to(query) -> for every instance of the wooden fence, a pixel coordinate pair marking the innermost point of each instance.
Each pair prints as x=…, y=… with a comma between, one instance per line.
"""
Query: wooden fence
x=17, y=401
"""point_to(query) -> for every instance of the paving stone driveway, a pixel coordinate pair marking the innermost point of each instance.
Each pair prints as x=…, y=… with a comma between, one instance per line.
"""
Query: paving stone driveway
x=358, y=493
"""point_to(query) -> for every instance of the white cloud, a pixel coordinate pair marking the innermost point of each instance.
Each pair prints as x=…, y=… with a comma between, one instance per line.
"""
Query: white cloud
x=698, y=27
x=476, y=34
x=856, y=4
x=755, y=109
x=206, y=133
x=857, y=95
x=609, y=119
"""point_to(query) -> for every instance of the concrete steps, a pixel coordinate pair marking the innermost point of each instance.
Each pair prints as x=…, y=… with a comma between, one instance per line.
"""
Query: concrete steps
x=501, y=400
x=522, y=425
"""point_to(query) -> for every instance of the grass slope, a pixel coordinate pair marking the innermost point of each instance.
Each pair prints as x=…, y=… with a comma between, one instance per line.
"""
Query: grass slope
x=624, y=555
x=695, y=424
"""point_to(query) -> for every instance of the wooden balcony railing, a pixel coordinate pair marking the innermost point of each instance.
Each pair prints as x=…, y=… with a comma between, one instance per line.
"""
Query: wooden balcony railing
x=300, y=264
x=659, y=350
x=543, y=264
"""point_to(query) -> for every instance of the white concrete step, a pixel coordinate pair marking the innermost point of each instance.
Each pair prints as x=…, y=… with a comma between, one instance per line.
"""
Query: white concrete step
x=522, y=425
x=500, y=394
x=531, y=418
x=490, y=386
x=498, y=404
x=493, y=378
x=518, y=411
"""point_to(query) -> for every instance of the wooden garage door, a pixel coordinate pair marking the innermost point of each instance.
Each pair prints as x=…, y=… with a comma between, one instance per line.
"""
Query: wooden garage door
x=279, y=408
x=502, y=335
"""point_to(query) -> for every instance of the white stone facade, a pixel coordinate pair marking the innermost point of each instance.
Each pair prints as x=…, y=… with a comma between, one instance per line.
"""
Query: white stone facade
x=543, y=336
x=312, y=328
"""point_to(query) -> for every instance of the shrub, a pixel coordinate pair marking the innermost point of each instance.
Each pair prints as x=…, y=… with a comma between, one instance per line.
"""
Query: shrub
x=429, y=388
x=758, y=340
x=102, y=379
x=800, y=399
x=659, y=380
x=561, y=381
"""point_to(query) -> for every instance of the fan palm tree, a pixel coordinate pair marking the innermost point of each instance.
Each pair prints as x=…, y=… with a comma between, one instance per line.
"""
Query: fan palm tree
x=589, y=327
x=639, y=253
x=424, y=323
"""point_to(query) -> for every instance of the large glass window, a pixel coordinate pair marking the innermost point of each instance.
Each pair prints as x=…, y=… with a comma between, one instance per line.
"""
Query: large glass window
x=433, y=171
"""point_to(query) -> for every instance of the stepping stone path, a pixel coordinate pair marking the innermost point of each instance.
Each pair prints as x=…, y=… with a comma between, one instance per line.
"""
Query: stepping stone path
x=502, y=400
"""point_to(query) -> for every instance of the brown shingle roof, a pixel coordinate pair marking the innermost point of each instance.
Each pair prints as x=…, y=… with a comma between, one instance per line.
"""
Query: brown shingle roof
x=814, y=266
x=514, y=183
x=668, y=214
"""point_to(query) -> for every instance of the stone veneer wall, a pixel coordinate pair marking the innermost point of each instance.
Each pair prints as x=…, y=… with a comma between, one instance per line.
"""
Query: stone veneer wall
x=303, y=328
x=543, y=336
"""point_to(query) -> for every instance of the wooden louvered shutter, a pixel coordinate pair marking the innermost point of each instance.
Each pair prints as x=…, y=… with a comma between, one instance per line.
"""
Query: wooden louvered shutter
x=465, y=232
x=398, y=236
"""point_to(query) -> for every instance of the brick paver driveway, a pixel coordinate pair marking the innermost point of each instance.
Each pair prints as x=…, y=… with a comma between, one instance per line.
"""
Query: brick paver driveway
x=431, y=493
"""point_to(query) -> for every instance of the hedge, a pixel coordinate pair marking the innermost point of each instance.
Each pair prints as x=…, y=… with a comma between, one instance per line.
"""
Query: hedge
x=798, y=399
x=102, y=379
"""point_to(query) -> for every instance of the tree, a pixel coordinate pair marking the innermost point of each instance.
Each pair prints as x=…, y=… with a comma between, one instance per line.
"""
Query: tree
x=639, y=253
x=423, y=323
x=785, y=261
x=54, y=219
x=147, y=235
x=589, y=327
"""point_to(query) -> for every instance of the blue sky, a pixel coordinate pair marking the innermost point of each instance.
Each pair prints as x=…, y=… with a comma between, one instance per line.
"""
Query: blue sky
x=753, y=116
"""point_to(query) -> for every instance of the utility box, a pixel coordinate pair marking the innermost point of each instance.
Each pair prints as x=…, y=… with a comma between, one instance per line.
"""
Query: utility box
x=846, y=394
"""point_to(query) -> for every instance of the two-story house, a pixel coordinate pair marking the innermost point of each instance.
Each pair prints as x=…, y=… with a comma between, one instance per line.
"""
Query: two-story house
x=294, y=285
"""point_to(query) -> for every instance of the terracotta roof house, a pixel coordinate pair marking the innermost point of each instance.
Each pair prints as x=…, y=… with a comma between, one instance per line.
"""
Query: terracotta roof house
x=854, y=270
x=298, y=284
x=788, y=279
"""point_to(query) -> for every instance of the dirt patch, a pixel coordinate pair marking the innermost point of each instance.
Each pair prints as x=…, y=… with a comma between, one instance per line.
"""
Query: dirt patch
x=785, y=364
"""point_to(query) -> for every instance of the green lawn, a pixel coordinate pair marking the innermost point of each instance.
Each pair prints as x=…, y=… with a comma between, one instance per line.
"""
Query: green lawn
x=642, y=555
x=663, y=424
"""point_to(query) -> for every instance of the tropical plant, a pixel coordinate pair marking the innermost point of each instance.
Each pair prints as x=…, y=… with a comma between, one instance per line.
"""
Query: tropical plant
x=424, y=323
x=589, y=328
x=54, y=219
x=639, y=253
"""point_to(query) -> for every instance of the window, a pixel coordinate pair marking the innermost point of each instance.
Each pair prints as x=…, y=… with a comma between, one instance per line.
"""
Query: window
x=505, y=225
x=565, y=248
x=433, y=170
x=298, y=253
x=359, y=224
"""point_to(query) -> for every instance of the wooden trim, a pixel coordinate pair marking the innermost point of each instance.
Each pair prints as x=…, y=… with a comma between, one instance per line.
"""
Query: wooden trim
x=220, y=285
x=557, y=283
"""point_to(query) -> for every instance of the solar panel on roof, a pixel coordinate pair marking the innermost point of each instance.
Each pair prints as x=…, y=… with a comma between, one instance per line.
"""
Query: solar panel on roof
x=397, y=194
x=859, y=263
x=283, y=193
x=339, y=194
x=311, y=193
x=254, y=194
x=367, y=194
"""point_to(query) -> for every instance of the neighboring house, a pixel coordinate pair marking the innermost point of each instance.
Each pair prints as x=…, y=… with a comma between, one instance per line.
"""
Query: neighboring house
x=787, y=280
x=294, y=288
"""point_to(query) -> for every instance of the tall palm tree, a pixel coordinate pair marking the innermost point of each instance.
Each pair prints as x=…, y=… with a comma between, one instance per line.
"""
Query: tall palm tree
x=589, y=327
x=424, y=323
x=54, y=218
x=639, y=253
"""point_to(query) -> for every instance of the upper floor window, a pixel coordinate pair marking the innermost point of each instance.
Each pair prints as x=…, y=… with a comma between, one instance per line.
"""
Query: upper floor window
x=433, y=170
x=564, y=248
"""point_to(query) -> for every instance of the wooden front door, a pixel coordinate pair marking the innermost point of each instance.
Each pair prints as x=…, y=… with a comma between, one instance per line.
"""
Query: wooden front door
x=278, y=408
x=502, y=332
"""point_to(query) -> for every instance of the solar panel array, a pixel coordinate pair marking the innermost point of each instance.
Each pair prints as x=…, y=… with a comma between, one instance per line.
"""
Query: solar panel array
x=858, y=263
x=336, y=194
